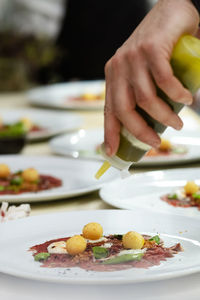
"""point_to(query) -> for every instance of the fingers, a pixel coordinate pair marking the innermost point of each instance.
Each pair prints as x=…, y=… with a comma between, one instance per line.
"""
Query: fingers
x=124, y=110
x=121, y=100
x=166, y=81
x=112, y=127
x=146, y=98
x=112, y=133
x=139, y=128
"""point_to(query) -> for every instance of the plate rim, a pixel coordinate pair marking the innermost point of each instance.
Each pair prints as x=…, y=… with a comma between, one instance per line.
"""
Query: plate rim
x=97, y=281
x=141, y=174
x=54, y=197
x=30, y=95
x=141, y=164
x=78, y=118
x=68, y=135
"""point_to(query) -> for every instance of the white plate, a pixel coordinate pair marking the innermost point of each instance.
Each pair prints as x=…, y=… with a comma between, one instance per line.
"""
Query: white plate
x=77, y=176
x=53, y=122
x=59, y=95
x=83, y=144
x=188, y=139
x=16, y=237
x=145, y=189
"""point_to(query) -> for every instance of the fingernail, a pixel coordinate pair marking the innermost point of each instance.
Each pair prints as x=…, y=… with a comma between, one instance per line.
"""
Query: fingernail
x=108, y=150
x=178, y=126
x=154, y=143
x=186, y=101
x=175, y=122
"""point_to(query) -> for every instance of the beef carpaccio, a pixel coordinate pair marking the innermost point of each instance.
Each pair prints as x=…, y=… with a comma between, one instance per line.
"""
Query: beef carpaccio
x=187, y=196
x=24, y=181
x=106, y=254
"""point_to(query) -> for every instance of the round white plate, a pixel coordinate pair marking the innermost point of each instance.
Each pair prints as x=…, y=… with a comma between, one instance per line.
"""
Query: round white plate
x=77, y=176
x=53, y=122
x=84, y=143
x=16, y=237
x=145, y=189
x=60, y=95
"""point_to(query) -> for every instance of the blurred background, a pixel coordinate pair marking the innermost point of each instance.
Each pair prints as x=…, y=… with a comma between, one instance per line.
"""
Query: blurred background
x=48, y=41
x=28, y=50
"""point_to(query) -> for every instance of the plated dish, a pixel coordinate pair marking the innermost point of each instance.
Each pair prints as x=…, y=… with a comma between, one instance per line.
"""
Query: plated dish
x=25, y=181
x=183, y=150
x=156, y=191
x=186, y=196
x=94, y=251
x=37, y=230
x=85, y=144
x=39, y=124
x=58, y=178
x=70, y=95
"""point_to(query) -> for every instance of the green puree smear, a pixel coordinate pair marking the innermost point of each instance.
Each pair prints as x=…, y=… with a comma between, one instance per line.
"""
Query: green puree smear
x=2, y=188
x=41, y=256
x=196, y=196
x=100, y=252
x=173, y=196
x=123, y=258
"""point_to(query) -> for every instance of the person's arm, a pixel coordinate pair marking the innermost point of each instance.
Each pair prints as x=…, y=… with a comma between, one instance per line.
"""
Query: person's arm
x=141, y=63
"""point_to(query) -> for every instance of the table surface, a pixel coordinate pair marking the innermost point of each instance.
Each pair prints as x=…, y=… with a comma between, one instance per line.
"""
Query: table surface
x=187, y=287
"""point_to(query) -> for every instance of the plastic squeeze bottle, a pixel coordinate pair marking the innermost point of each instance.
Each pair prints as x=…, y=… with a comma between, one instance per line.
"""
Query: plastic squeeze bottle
x=185, y=62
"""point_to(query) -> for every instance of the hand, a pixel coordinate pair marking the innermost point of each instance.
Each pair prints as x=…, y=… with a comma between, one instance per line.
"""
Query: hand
x=141, y=63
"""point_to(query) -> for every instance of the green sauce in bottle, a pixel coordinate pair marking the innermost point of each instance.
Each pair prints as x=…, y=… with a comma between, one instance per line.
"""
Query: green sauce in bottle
x=185, y=62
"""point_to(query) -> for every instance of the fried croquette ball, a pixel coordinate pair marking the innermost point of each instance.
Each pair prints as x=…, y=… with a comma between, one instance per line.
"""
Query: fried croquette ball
x=191, y=187
x=4, y=171
x=76, y=244
x=30, y=175
x=165, y=145
x=27, y=123
x=92, y=231
x=133, y=240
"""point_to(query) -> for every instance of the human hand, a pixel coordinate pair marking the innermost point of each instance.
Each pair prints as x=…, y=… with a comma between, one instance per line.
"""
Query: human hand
x=140, y=64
